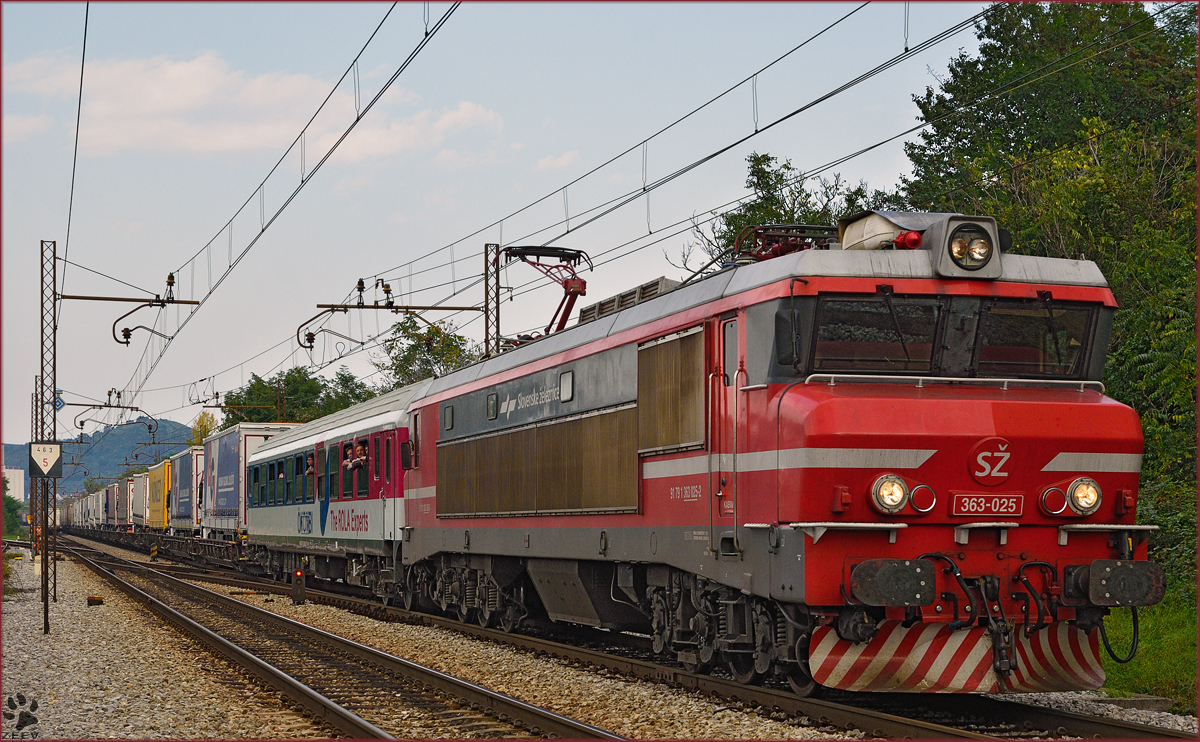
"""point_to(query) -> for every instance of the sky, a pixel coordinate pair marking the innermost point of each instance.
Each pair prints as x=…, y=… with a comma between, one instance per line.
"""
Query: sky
x=188, y=108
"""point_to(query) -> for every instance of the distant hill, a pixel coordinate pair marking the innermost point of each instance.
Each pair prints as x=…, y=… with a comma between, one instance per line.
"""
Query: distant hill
x=105, y=452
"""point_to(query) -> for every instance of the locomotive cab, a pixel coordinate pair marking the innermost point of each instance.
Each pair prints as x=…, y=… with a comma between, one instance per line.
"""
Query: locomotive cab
x=960, y=477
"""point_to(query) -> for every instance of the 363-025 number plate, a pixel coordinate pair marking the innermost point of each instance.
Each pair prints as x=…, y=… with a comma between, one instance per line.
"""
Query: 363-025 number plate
x=990, y=504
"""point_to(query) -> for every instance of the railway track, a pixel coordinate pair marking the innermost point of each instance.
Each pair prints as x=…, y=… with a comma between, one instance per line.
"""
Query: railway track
x=925, y=716
x=360, y=692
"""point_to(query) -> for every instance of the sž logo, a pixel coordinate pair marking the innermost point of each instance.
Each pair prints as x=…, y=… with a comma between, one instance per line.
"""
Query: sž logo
x=989, y=461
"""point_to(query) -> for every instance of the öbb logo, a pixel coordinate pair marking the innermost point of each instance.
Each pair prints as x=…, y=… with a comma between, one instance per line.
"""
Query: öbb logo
x=990, y=461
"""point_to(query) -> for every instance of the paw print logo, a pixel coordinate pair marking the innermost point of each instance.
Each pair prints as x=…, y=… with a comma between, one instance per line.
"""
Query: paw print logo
x=14, y=708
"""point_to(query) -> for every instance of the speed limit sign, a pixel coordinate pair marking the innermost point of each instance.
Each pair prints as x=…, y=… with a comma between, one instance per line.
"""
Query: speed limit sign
x=45, y=460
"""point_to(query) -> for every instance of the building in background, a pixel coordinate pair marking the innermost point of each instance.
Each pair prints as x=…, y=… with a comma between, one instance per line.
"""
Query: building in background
x=16, y=483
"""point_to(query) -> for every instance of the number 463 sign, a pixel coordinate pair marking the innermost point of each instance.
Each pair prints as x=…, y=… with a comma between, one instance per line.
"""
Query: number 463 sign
x=45, y=460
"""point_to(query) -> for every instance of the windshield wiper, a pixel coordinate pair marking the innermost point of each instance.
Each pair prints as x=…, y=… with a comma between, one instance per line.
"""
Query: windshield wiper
x=886, y=291
x=1045, y=297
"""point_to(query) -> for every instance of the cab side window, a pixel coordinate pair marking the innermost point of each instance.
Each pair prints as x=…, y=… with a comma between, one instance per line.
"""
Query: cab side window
x=416, y=440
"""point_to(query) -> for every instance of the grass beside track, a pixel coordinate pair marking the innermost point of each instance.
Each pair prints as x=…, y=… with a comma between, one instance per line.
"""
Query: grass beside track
x=1166, y=660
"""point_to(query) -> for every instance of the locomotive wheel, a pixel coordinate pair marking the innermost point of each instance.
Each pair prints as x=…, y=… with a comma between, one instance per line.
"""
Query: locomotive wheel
x=510, y=618
x=699, y=667
x=464, y=612
x=802, y=683
x=741, y=666
x=660, y=629
x=706, y=652
x=408, y=592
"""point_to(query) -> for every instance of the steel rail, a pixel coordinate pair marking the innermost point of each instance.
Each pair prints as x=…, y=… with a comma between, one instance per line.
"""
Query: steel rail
x=322, y=708
x=537, y=720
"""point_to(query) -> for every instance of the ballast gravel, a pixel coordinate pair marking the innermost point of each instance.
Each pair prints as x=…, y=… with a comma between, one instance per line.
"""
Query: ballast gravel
x=115, y=671
x=1083, y=702
x=599, y=693
x=628, y=707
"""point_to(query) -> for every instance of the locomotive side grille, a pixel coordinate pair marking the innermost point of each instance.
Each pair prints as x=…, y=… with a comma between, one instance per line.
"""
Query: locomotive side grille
x=671, y=393
x=585, y=464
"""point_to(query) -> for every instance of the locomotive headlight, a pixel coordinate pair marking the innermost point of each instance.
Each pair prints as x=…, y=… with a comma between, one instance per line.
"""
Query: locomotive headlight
x=889, y=493
x=970, y=247
x=1084, y=496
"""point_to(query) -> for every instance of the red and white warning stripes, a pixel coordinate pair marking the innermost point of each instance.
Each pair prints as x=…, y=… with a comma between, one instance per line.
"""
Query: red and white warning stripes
x=1059, y=657
x=930, y=658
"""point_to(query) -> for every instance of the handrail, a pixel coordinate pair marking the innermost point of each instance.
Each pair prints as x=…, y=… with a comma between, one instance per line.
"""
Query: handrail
x=921, y=380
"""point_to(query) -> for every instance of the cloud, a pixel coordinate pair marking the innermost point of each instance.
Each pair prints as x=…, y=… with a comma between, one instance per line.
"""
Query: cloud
x=201, y=105
x=566, y=159
x=18, y=128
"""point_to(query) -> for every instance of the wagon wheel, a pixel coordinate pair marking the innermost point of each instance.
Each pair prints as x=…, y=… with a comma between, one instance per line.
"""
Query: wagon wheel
x=464, y=611
x=741, y=666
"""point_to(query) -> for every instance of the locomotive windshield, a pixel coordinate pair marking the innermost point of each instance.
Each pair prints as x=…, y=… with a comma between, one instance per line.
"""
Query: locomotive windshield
x=876, y=334
x=960, y=336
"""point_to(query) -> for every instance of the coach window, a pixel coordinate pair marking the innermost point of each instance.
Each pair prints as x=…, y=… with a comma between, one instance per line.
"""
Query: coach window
x=493, y=406
x=321, y=482
x=348, y=471
x=301, y=476
x=271, y=484
x=330, y=491
x=288, y=479
x=262, y=485
x=375, y=457
x=254, y=485
x=361, y=453
x=387, y=460
x=310, y=477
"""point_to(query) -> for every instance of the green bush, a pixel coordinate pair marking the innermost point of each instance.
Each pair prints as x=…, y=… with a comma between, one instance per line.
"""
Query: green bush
x=1165, y=664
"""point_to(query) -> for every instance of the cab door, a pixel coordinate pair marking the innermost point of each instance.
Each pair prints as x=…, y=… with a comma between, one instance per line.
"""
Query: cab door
x=725, y=380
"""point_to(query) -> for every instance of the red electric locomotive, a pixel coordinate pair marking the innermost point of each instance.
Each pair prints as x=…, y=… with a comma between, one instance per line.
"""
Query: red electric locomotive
x=870, y=457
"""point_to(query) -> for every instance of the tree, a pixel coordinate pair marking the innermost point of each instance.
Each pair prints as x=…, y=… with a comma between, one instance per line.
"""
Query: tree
x=342, y=391
x=1037, y=76
x=293, y=395
x=1092, y=157
x=13, y=526
x=1126, y=200
x=782, y=195
x=204, y=426
x=415, y=351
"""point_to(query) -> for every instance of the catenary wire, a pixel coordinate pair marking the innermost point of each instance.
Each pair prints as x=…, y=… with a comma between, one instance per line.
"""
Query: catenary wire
x=168, y=341
x=692, y=221
x=618, y=156
x=74, y=161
